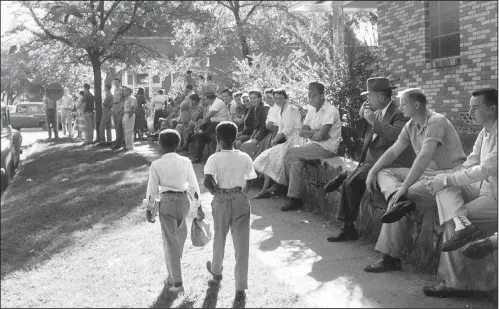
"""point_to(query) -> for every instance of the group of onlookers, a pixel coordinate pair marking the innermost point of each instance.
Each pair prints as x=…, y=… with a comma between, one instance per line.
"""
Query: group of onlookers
x=412, y=154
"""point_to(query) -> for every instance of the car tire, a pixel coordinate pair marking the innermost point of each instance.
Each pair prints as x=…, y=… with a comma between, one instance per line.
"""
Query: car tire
x=5, y=179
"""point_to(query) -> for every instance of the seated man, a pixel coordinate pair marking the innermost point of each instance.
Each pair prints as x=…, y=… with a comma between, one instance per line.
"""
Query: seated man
x=381, y=122
x=468, y=198
x=438, y=149
x=322, y=126
x=217, y=112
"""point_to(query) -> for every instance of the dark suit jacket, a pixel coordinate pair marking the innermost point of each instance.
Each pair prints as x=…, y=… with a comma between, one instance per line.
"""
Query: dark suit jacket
x=261, y=112
x=387, y=132
x=249, y=121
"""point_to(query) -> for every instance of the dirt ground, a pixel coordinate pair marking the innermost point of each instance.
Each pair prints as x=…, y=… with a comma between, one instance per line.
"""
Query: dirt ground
x=74, y=234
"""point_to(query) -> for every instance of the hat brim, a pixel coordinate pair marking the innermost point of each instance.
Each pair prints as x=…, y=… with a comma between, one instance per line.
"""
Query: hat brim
x=389, y=88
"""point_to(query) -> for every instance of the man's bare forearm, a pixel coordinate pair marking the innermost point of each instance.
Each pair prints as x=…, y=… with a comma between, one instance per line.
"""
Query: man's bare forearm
x=417, y=169
x=307, y=133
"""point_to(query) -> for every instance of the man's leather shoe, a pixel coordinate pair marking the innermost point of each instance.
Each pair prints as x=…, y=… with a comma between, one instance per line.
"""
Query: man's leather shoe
x=384, y=264
x=398, y=211
x=478, y=249
x=292, y=204
x=441, y=290
x=461, y=238
x=347, y=233
x=336, y=182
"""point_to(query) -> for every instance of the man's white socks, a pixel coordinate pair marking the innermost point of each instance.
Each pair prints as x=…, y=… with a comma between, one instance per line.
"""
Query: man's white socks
x=461, y=222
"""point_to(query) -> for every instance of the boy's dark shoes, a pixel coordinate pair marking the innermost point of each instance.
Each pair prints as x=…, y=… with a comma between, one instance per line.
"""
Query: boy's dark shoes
x=292, y=204
x=150, y=217
x=215, y=277
x=384, y=264
x=239, y=300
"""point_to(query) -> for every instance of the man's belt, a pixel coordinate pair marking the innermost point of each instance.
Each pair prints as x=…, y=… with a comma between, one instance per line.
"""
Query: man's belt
x=231, y=190
x=174, y=192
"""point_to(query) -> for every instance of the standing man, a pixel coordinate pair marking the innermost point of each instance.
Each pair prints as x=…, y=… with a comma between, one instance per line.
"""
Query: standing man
x=158, y=105
x=89, y=109
x=467, y=207
x=129, y=108
x=107, y=113
x=188, y=79
x=438, y=149
x=322, y=126
x=67, y=105
x=380, y=123
x=119, y=99
x=50, y=114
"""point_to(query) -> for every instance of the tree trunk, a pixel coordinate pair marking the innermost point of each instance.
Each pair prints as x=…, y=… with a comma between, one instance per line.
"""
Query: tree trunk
x=242, y=38
x=96, y=66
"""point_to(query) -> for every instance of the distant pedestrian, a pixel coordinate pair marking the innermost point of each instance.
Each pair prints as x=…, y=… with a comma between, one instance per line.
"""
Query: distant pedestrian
x=80, y=115
x=171, y=181
x=67, y=105
x=89, y=108
x=50, y=114
x=107, y=113
x=119, y=100
x=140, y=115
x=227, y=176
x=129, y=109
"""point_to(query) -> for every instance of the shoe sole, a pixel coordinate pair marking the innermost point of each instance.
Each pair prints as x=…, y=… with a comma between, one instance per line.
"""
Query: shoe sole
x=343, y=239
x=381, y=270
x=474, y=236
x=396, y=215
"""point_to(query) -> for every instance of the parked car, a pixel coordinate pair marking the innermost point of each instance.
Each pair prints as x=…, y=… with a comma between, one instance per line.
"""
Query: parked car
x=30, y=115
x=10, y=149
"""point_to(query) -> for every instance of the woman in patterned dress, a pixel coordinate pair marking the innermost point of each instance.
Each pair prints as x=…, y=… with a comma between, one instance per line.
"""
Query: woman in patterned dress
x=271, y=161
x=80, y=116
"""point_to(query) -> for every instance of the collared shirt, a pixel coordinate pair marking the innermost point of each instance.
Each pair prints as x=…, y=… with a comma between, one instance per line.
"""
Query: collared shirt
x=273, y=115
x=230, y=168
x=49, y=104
x=222, y=111
x=481, y=164
x=118, y=92
x=130, y=104
x=171, y=172
x=327, y=114
x=108, y=101
x=449, y=153
x=67, y=102
x=158, y=102
x=383, y=112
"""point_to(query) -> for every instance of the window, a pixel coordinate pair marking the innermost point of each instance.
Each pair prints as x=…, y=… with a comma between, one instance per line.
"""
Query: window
x=444, y=29
x=5, y=121
x=130, y=79
x=156, y=79
x=142, y=79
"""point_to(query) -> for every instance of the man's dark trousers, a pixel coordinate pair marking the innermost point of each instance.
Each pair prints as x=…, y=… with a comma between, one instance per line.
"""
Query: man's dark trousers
x=208, y=135
x=351, y=194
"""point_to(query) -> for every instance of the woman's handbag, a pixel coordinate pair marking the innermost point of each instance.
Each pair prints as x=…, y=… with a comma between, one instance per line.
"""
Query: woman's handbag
x=200, y=233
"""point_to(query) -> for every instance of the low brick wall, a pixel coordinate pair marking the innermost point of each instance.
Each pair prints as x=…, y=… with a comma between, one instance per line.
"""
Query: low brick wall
x=423, y=240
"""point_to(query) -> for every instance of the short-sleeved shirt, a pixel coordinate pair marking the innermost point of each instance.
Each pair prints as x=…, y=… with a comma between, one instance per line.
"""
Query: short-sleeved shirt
x=273, y=114
x=449, y=153
x=49, y=103
x=222, y=111
x=230, y=168
x=233, y=107
x=327, y=114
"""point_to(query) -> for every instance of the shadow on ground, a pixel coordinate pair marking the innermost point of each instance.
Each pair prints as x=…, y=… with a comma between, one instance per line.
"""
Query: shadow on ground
x=62, y=188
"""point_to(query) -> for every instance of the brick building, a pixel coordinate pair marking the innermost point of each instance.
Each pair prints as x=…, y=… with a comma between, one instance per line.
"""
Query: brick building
x=448, y=48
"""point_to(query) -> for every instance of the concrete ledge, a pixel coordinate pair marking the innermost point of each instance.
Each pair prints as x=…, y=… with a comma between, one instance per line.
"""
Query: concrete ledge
x=423, y=239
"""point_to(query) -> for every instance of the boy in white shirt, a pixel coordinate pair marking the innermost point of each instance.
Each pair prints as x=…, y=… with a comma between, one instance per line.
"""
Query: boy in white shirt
x=171, y=179
x=227, y=176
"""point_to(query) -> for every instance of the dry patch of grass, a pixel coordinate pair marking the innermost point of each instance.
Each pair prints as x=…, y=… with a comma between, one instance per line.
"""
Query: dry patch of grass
x=76, y=236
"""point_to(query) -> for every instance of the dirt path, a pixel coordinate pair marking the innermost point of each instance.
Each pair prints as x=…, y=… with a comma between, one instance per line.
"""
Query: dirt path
x=120, y=264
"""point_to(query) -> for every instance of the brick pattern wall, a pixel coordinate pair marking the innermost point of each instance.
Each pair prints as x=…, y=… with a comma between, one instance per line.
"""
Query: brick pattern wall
x=403, y=33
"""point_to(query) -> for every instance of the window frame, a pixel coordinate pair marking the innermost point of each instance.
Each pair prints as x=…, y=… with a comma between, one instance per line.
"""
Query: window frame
x=439, y=36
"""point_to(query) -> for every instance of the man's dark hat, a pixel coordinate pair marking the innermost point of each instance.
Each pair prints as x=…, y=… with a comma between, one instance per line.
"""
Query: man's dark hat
x=378, y=84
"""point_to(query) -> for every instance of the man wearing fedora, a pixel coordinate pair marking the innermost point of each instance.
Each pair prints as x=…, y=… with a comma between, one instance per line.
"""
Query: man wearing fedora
x=380, y=124
x=438, y=151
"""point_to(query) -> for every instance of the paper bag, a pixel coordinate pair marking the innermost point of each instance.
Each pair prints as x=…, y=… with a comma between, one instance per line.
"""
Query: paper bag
x=200, y=233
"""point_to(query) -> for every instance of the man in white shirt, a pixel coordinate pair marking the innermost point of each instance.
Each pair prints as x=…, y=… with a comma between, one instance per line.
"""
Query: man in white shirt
x=217, y=113
x=158, y=104
x=172, y=181
x=67, y=105
x=322, y=126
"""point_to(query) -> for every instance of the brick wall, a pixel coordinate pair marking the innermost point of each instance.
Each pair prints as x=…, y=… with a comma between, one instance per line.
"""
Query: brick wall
x=403, y=33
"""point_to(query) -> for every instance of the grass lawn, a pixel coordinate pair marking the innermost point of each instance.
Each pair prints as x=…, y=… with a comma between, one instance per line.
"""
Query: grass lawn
x=74, y=234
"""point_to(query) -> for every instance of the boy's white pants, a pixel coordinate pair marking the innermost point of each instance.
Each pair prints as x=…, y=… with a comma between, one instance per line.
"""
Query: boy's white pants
x=173, y=208
x=231, y=210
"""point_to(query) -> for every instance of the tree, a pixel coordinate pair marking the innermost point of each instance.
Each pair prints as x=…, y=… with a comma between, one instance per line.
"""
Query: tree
x=95, y=33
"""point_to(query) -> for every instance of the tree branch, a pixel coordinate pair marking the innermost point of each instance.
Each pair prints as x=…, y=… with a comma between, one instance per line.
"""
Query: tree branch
x=93, y=19
x=108, y=13
x=221, y=3
x=251, y=12
x=48, y=33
